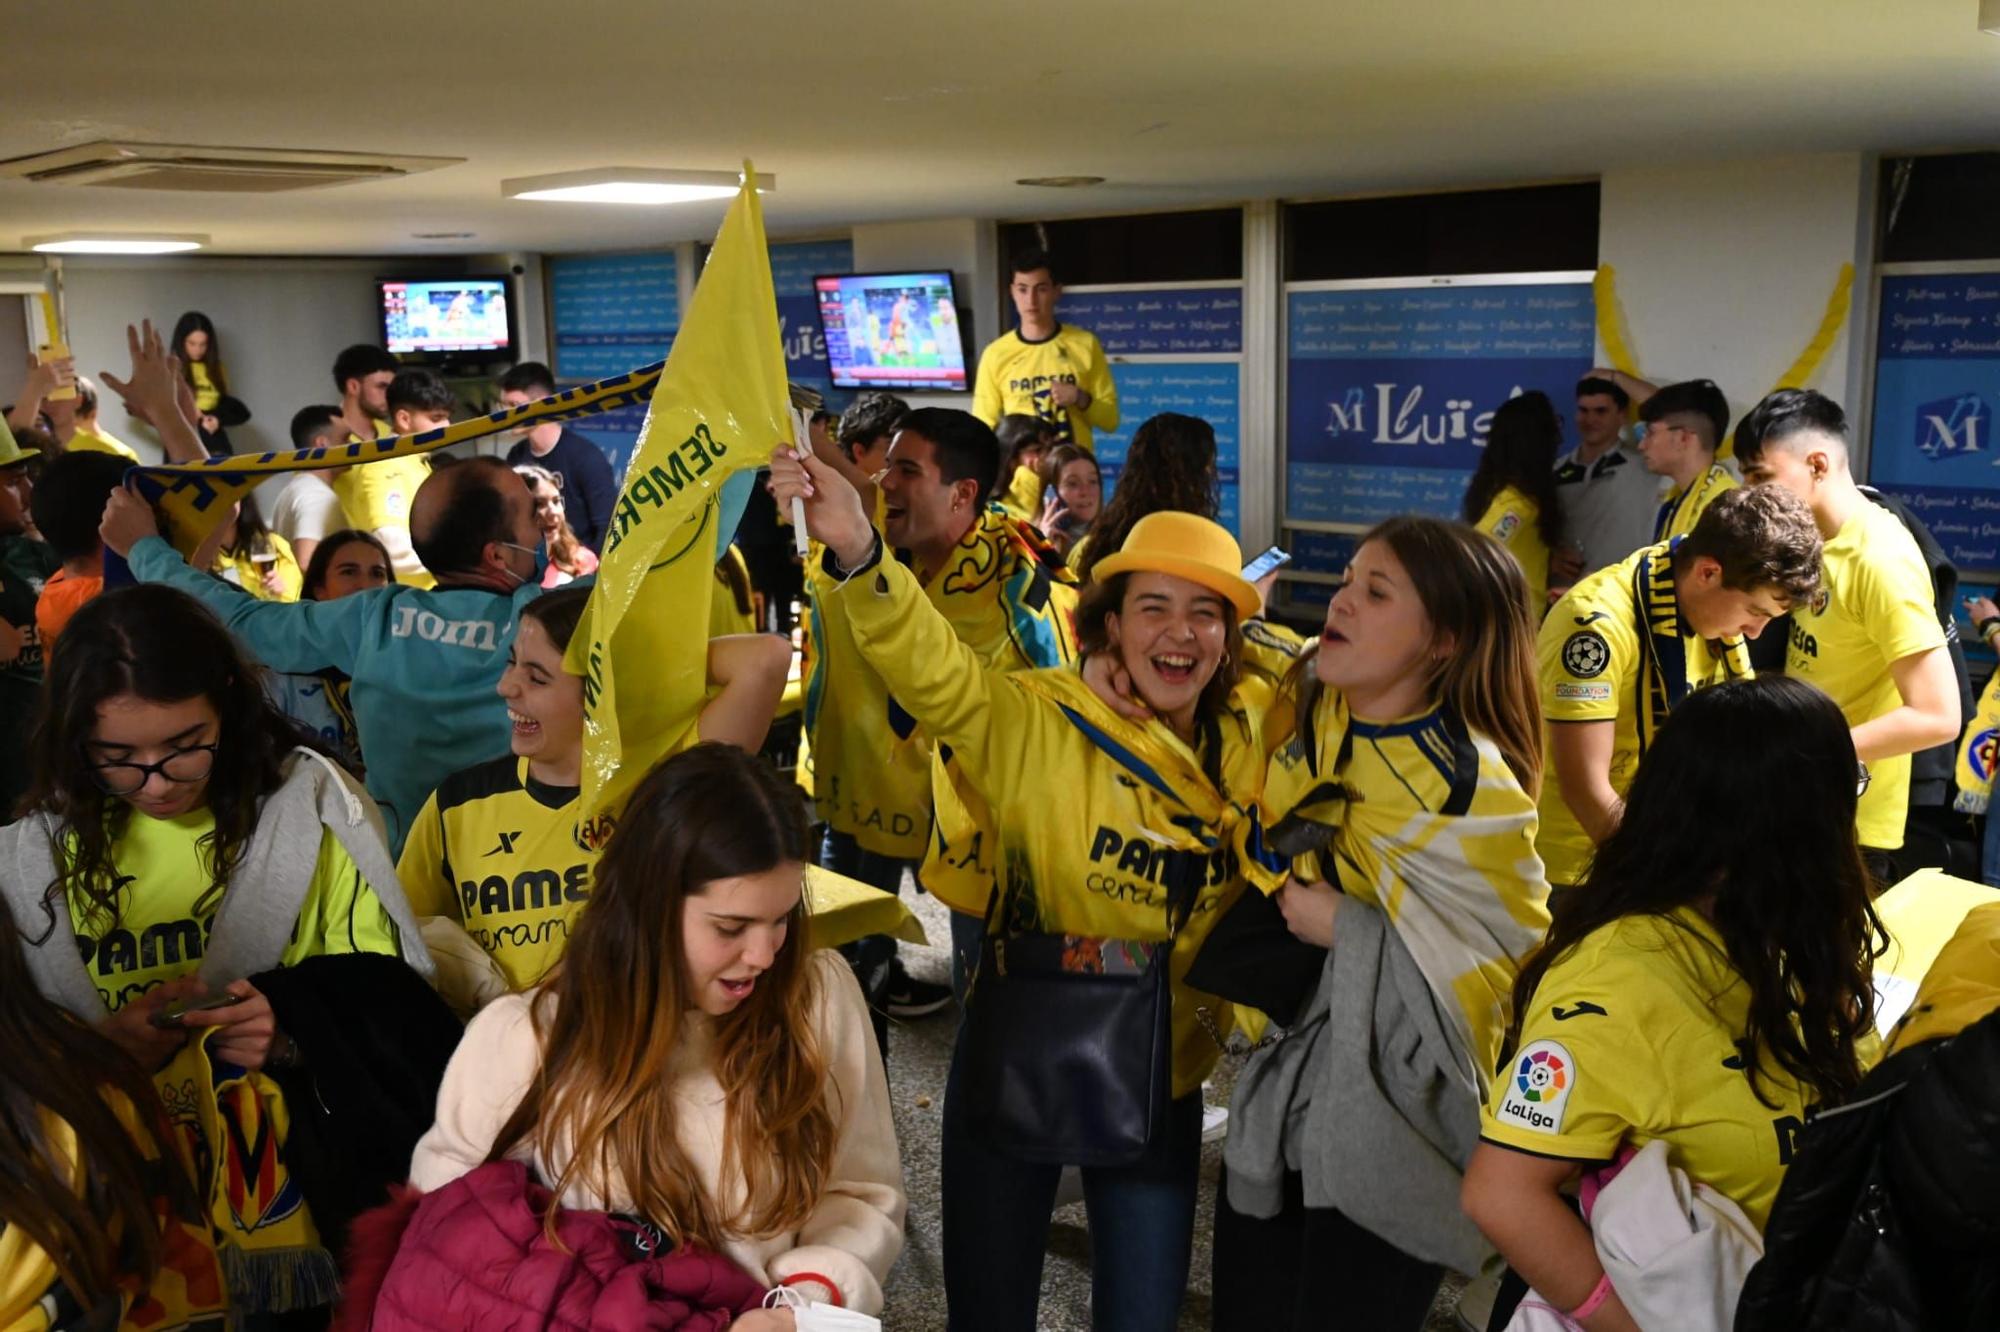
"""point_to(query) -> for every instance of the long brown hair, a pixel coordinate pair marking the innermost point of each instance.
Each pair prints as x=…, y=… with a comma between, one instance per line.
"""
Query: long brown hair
x=1099, y=601
x=165, y=647
x=1170, y=465
x=1472, y=589
x=97, y=1223
x=1744, y=808
x=564, y=545
x=610, y=1018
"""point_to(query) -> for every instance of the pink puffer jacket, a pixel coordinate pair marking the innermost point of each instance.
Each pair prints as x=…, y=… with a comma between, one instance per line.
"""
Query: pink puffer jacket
x=474, y=1255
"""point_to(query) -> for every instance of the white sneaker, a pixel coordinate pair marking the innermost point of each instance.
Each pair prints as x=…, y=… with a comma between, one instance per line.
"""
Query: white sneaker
x=1475, y=1302
x=1214, y=1123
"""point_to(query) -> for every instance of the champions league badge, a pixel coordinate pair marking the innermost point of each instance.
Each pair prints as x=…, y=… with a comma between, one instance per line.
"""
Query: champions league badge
x=1585, y=655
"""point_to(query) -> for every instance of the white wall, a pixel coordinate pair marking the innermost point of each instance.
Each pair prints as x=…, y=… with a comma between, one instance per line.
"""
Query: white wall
x=969, y=247
x=280, y=323
x=1724, y=268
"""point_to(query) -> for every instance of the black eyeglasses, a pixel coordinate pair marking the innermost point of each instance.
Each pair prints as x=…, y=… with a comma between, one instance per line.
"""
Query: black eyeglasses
x=180, y=767
x=1861, y=779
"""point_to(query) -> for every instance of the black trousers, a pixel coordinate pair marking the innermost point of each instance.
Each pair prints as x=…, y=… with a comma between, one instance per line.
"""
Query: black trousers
x=1311, y=1270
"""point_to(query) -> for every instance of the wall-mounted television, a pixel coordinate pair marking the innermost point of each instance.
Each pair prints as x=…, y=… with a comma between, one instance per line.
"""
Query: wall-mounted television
x=892, y=331
x=446, y=318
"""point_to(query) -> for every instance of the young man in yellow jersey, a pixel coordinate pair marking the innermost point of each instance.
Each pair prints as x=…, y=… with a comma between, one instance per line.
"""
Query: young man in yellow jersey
x=1871, y=638
x=1684, y=426
x=871, y=766
x=376, y=496
x=1629, y=642
x=1044, y=368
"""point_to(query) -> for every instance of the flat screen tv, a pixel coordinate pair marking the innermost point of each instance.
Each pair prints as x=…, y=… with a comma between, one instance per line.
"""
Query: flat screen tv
x=441, y=318
x=892, y=331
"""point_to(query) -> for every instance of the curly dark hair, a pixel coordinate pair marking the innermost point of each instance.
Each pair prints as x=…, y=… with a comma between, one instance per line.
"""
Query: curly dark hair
x=163, y=646
x=1170, y=465
x=1521, y=447
x=1762, y=536
x=1745, y=807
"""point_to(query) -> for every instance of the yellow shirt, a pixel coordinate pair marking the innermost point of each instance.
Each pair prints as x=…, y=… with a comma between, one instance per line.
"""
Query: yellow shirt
x=1086, y=836
x=247, y=574
x=496, y=850
x=376, y=498
x=98, y=441
x=1592, y=659
x=1015, y=375
x=871, y=761
x=1682, y=509
x=1023, y=497
x=1512, y=519
x=1875, y=606
x=1632, y=1037
x=207, y=397
x=160, y=937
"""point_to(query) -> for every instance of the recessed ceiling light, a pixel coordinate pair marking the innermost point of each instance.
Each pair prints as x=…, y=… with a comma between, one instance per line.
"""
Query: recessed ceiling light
x=631, y=185
x=1060, y=182
x=113, y=242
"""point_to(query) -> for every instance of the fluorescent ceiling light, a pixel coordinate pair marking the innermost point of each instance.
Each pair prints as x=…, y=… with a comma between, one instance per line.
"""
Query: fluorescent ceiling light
x=113, y=242
x=631, y=185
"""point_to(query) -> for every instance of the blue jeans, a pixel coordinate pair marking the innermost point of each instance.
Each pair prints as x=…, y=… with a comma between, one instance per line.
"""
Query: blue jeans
x=968, y=934
x=996, y=1230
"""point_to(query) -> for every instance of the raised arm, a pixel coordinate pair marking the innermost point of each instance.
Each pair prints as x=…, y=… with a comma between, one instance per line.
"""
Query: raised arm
x=931, y=674
x=749, y=671
x=284, y=635
x=158, y=393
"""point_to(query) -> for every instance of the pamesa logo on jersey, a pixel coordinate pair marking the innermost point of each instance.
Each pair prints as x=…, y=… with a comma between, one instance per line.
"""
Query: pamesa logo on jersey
x=1953, y=427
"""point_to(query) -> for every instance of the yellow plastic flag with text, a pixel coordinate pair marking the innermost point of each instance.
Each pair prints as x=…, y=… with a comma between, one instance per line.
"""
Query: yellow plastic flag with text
x=720, y=407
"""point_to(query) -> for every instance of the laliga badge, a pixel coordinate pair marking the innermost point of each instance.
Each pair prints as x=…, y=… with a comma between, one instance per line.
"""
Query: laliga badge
x=1540, y=1082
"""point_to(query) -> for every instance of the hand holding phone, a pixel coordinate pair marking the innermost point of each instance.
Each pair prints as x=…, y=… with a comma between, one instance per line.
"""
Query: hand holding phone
x=169, y=1017
x=1269, y=562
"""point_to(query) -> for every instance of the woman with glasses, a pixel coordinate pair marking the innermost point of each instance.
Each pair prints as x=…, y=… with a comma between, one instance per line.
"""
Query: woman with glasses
x=1708, y=985
x=174, y=843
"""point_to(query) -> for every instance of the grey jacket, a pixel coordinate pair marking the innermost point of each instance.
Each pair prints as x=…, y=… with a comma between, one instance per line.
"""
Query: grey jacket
x=1368, y=1099
x=254, y=922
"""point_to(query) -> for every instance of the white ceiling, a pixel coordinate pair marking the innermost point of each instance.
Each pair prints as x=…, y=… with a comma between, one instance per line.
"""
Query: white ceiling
x=889, y=109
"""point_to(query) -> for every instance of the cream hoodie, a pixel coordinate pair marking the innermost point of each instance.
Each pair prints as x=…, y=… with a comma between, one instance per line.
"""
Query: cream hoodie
x=851, y=1238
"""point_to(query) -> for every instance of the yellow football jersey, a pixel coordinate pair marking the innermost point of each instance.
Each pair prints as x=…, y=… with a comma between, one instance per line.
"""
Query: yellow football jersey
x=1604, y=654
x=497, y=851
x=1875, y=606
x=1635, y=1035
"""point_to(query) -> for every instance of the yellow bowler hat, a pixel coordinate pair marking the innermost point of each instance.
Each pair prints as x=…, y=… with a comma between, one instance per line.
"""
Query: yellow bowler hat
x=1186, y=546
x=11, y=452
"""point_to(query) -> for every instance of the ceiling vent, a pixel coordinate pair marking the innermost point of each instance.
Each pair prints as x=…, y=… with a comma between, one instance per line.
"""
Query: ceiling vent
x=169, y=166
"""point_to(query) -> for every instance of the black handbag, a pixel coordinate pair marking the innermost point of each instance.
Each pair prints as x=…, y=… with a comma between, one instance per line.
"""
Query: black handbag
x=1067, y=1045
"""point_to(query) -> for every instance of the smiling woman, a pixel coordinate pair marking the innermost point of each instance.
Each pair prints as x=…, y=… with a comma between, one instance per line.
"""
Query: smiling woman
x=174, y=844
x=689, y=1062
x=1123, y=877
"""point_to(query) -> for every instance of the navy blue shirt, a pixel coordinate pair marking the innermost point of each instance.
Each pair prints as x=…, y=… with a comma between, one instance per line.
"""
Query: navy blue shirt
x=589, y=489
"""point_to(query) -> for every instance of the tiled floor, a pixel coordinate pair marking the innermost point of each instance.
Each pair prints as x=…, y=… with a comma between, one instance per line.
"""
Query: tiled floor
x=919, y=1053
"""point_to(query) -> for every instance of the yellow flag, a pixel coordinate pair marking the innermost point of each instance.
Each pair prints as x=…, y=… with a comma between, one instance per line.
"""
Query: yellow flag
x=720, y=408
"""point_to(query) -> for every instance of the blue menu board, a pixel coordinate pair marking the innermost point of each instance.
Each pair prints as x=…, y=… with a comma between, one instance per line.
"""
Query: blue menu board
x=1212, y=390
x=1178, y=321
x=793, y=268
x=1937, y=378
x=612, y=313
x=1388, y=391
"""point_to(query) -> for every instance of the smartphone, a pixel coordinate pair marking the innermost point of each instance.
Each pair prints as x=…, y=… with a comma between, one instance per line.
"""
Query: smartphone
x=1274, y=558
x=56, y=351
x=171, y=1015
